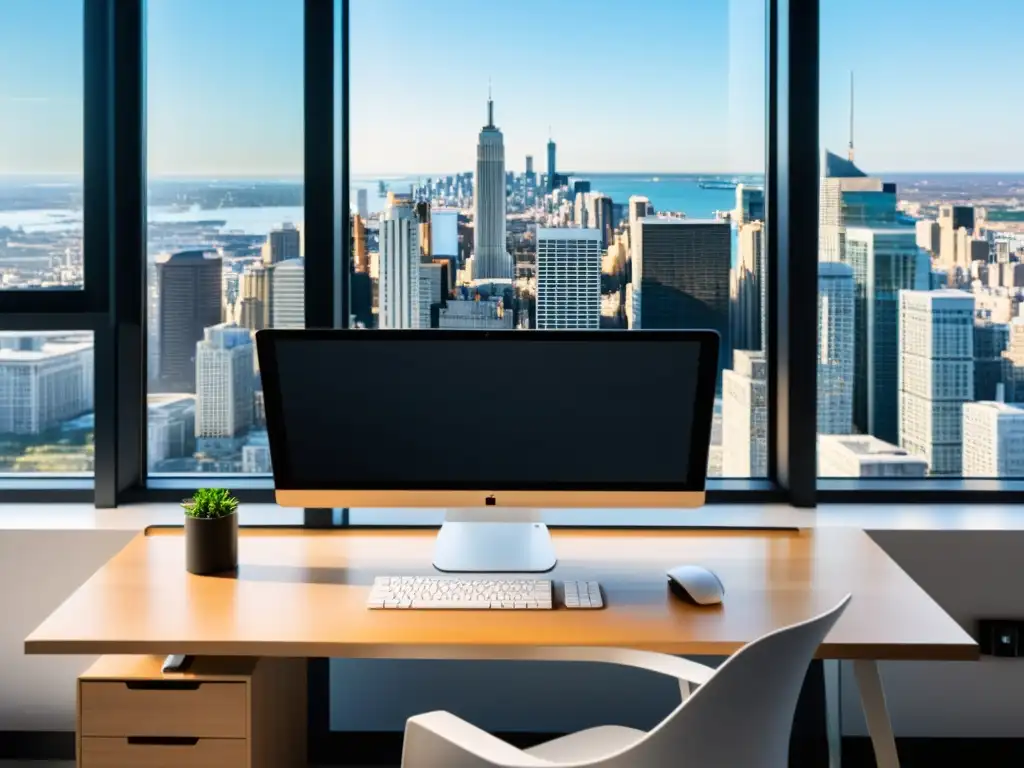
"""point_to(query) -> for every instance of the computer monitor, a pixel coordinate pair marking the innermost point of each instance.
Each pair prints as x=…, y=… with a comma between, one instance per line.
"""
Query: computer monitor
x=488, y=423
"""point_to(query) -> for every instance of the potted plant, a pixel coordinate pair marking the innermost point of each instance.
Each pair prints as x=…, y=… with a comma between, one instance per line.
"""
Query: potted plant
x=211, y=531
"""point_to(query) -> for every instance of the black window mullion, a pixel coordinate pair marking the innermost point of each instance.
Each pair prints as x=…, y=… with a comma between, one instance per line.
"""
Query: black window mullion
x=792, y=205
x=115, y=240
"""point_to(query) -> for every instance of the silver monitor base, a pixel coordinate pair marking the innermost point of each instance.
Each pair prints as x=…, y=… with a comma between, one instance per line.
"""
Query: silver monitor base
x=493, y=540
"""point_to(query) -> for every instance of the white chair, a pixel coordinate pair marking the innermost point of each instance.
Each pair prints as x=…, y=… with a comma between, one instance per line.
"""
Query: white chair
x=740, y=716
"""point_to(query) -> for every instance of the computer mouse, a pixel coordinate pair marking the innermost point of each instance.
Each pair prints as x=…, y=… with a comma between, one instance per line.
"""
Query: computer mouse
x=695, y=584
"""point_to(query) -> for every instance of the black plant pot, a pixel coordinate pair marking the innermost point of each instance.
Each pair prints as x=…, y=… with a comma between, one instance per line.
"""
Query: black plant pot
x=211, y=544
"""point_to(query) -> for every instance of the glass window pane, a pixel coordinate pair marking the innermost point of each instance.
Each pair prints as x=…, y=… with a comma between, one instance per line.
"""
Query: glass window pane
x=41, y=72
x=541, y=190
x=920, y=343
x=46, y=403
x=225, y=251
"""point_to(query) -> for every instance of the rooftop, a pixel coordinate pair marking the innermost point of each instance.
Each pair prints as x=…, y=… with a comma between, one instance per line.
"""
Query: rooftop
x=658, y=219
x=1010, y=409
x=568, y=233
x=834, y=166
x=869, y=449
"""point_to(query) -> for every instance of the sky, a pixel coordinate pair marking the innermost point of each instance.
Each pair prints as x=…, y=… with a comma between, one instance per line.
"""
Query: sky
x=667, y=86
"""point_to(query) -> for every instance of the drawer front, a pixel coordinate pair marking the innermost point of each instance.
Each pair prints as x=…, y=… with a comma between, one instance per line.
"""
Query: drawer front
x=163, y=708
x=105, y=752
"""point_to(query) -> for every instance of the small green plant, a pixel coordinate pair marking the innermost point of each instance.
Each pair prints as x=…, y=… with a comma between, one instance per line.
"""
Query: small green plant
x=210, y=503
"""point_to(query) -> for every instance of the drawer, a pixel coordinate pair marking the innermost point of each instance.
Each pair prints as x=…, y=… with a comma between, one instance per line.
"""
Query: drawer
x=163, y=708
x=100, y=752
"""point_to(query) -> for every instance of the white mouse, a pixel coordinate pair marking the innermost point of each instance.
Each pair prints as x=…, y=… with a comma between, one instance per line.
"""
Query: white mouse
x=695, y=584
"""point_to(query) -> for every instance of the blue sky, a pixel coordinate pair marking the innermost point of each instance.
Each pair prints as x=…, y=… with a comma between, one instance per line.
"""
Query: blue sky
x=666, y=85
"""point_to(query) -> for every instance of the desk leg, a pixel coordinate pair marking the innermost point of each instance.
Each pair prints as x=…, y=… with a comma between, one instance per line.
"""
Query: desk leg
x=872, y=699
x=833, y=719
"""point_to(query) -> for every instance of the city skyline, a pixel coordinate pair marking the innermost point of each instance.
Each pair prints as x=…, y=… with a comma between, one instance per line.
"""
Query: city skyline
x=232, y=109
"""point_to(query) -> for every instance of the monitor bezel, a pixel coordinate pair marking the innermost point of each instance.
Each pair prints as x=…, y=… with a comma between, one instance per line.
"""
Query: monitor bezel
x=290, y=492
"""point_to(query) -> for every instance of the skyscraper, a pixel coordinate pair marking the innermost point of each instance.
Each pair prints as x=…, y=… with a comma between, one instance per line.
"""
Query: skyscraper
x=530, y=181
x=225, y=376
x=360, y=257
x=990, y=341
x=568, y=278
x=993, y=440
x=637, y=208
x=444, y=233
x=836, y=313
x=362, y=203
x=189, y=288
x=953, y=219
x=601, y=216
x=492, y=261
x=749, y=204
x=929, y=236
x=433, y=288
x=423, y=217
x=681, y=276
x=287, y=294
x=253, y=310
x=850, y=198
x=747, y=290
x=884, y=262
x=745, y=416
x=282, y=244
x=399, y=268
x=936, y=375
x=552, y=169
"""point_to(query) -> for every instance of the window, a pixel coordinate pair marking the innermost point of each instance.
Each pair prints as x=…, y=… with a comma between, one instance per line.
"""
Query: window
x=41, y=70
x=538, y=189
x=225, y=223
x=921, y=239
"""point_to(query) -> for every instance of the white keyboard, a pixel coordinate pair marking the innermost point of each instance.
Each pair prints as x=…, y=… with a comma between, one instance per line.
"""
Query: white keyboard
x=477, y=594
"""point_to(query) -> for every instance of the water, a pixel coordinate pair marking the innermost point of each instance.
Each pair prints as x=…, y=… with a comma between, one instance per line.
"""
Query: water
x=254, y=221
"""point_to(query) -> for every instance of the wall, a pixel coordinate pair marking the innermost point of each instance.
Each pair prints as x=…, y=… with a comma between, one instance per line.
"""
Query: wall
x=38, y=570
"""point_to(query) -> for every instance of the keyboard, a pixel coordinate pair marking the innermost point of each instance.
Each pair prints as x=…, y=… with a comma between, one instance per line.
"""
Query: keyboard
x=477, y=594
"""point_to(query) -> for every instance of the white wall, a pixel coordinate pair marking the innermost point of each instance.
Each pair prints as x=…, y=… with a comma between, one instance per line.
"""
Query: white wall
x=970, y=573
x=38, y=570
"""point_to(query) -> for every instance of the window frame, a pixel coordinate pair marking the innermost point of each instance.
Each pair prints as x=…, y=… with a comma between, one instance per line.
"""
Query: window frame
x=111, y=302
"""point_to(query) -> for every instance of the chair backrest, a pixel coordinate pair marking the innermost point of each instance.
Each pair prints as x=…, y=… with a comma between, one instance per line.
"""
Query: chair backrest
x=743, y=716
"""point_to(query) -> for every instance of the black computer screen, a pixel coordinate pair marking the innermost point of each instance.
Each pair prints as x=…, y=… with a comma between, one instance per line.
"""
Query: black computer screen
x=511, y=410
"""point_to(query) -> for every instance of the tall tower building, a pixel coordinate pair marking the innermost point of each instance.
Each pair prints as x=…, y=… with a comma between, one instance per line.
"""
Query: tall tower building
x=637, y=208
x=568, y=278
x=423, y=217
x=189, y=287
x=990, y=341
x=745, y=416
x=884, y=262
x=936, y=375
x=749, y=204
x=552, y=168
x=282, y=244
x=492, y=260
x=952, y=242
x=850, y=198
x=836, y=313
x=1013, y=362
x=287, y=294
x=224, y=383
x=681, y=276
x=747, y=324
x=254, y=298
x=399, y=269
x=433, y=288
x=360, y=256
x=601, y=216
x=993, y=440
x=444, y=233
x=362, y=203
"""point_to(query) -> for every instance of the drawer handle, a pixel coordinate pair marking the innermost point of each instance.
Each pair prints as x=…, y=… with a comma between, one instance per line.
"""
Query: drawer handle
x=167, y=741
x=162, y=685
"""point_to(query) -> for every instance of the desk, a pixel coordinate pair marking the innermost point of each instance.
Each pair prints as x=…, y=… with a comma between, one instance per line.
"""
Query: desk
x=301, y=593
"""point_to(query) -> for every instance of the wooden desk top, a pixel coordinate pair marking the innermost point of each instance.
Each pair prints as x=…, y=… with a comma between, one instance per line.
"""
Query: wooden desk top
x=301, y=593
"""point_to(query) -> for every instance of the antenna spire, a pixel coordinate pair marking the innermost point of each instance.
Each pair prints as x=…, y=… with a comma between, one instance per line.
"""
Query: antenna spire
x=850, y=152
x=490, y=105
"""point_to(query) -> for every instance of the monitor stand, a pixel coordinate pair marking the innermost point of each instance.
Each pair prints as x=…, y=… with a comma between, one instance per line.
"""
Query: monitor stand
x=494, y=540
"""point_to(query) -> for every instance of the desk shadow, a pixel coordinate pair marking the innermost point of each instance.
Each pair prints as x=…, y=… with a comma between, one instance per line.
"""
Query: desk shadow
x=291, y=574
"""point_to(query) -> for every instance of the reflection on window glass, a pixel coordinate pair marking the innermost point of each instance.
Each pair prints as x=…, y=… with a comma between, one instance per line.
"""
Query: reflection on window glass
x=516, y=195
x=46, y=402
x=225, y=208
x=921, y=344
x=41, y=74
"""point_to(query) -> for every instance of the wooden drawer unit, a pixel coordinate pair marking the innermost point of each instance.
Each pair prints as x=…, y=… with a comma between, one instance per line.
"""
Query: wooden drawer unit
x=139, y=752
x=225, y=712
